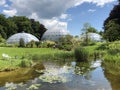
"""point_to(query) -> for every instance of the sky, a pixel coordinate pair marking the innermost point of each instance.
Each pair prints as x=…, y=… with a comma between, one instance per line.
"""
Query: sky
x=69, y=15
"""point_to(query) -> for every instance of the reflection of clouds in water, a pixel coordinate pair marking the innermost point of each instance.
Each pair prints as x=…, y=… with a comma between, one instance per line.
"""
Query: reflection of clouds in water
x=96, y=64
x=64, y=77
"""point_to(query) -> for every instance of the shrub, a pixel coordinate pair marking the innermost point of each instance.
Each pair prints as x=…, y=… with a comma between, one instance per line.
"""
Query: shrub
x=31, y=44
x=23, y=63
x=103, y=46
x=81, y=54
x=21, y=43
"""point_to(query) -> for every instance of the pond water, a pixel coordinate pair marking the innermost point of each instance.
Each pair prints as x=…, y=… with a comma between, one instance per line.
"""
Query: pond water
x=64, y=75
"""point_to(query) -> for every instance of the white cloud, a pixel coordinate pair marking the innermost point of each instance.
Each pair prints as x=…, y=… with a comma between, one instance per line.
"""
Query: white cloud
x=51, y=24
x=97, y=2
x=48, y=9
x=2, y=2
x=10, y=12
x=54, y=24
x=91, y=10
x=48, y=12
x=6, y=5
x=64, y=16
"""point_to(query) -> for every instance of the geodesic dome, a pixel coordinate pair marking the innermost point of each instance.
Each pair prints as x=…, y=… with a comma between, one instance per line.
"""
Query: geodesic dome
x=54, y=35
x=14, y=39
x=92, y=36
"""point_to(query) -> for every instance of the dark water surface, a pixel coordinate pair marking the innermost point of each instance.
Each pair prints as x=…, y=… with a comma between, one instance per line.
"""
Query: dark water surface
x=72, y=76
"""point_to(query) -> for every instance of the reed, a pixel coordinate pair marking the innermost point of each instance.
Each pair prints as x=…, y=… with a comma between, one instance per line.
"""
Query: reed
x=81, y=54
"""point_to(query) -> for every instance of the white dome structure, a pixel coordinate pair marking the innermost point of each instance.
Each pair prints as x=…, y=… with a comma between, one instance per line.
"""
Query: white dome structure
x=92, y=36
x=54, y=35
x=14, y=39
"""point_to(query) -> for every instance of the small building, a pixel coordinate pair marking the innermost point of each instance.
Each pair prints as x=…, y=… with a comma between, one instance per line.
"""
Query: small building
x=15, y=39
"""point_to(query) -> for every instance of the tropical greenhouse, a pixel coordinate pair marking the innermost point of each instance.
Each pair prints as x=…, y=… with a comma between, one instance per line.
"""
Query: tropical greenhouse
x=54, y=35
x=92, y=36
x=15, y=39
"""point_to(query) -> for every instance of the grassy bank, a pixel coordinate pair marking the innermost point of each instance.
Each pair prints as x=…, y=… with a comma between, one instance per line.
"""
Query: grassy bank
x=25, y=57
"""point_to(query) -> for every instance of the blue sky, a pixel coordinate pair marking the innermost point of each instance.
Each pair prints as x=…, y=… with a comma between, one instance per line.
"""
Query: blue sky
x=67, y=15
x=88, y=13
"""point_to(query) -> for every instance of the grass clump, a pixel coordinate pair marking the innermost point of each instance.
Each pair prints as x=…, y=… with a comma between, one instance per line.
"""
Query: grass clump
x=81, y=54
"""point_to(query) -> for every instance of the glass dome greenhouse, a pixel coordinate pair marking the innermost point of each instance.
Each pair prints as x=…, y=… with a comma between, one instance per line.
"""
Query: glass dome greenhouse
x=92, y=36
x=54, y=35
x=14, y=39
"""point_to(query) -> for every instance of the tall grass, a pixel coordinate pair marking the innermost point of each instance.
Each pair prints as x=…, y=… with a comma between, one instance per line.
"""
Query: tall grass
x=113, y=51
x=53, y=56
x=81, y=54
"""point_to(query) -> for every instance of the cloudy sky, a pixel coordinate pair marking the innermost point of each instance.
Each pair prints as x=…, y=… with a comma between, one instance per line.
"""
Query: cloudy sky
x=61, y=14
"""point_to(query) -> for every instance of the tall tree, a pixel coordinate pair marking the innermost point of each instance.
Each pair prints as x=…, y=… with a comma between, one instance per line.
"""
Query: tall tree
x=38, y=29
x=109, y=24
x=17, y=24
x=22, y=22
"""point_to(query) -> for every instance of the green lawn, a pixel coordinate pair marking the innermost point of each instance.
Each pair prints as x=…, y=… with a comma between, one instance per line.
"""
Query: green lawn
x=26, y=51
x=24, y=54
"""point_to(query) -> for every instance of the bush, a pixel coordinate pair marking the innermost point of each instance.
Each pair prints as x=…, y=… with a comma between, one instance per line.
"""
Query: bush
x=31, y=44
x=81, y=54
x=103, y=46
x=2, y=45
x=23, y=63
x=47, y=44
x=21, y=43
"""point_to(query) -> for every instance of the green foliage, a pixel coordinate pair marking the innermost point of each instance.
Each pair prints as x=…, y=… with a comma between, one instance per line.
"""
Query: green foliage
x=21, y=43
x=92, y=30
x=53, y=56
x=65, y=43
x=103, y=46
x=113, y=51
x=112, y=32
x=81, y=54
x=47, y=44
x=16, y=24
x=1, y=39
x=112, y=24
x=87, y=28
x=23, y=63
x=31, y=44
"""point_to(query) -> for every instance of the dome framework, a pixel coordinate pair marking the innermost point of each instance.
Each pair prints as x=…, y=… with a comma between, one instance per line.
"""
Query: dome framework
x=15, y=39
x=54, y=35
x=92, y=36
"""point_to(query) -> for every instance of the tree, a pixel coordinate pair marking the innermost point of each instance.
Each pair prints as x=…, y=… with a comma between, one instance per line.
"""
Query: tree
x=65, y=42
x=92, y=30
x=23, y=23
x=85, y=28
x=113, y=31
x=38, y=29
x=112, y=23
x=21, y=43
x=3, y=34
x=1, y=39
x=17, y=24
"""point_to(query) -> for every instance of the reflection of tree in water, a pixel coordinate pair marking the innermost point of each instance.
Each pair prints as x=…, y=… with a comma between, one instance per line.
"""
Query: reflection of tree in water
x=112, y=73
x=84, y=69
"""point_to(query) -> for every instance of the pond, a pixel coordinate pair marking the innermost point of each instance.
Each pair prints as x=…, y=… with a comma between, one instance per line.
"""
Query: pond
x=69, y=75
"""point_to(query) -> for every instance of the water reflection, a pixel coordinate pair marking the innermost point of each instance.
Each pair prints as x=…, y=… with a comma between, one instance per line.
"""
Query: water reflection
x=112, y=73
x=77, y=76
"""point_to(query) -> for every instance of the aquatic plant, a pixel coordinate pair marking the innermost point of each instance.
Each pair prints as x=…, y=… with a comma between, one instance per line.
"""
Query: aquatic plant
x=53, y=79
x=81, y=54
x=34, y=87
x=11, y=86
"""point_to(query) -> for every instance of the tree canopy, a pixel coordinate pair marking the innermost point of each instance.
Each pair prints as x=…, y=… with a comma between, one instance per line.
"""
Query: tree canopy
x=17, y=24
x=112, y=24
